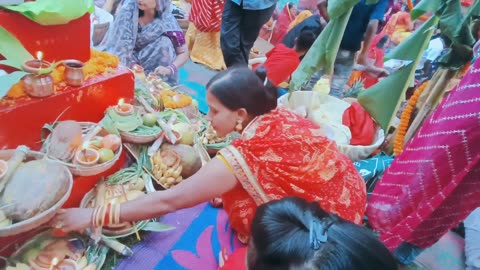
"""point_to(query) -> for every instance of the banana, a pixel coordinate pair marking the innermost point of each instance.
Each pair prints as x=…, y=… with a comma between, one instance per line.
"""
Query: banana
x=163, y=167
x=170, y=180
x=169, y=172
x=163, y=179
x=176, y=173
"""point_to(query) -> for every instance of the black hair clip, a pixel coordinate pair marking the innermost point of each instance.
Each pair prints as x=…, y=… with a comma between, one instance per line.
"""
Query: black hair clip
x=318, y=234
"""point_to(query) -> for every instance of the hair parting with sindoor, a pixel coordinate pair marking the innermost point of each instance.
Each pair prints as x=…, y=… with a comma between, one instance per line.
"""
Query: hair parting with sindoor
x=241, y=87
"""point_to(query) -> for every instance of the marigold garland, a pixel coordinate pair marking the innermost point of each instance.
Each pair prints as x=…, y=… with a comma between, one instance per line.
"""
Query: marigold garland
x=174, y=100
x=99, y=63
x=405, y=119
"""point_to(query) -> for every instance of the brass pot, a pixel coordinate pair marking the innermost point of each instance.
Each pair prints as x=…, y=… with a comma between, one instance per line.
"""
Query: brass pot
x=38, y=85
x=74, y=72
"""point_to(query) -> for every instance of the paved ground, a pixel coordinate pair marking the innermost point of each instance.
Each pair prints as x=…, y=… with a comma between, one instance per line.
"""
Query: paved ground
x=193, y=78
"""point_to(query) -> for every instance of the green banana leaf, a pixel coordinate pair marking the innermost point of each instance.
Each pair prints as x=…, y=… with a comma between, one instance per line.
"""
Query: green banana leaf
x=339, y=7
x=425, y=6
x=383, y=99
x=13, y=51
x=7, y=81
x=53, y=12
x=456, y=27
x=324, y=50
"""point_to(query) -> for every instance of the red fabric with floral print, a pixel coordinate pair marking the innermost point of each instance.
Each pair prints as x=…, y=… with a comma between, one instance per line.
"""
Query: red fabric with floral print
x=282, y=154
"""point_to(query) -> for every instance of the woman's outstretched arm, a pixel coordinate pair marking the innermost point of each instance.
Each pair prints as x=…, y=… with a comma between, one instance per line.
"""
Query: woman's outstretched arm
x=212, y=180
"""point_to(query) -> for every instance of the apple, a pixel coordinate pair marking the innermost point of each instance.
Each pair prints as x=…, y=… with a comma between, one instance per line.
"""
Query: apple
x=105, y=155
x=149, y=119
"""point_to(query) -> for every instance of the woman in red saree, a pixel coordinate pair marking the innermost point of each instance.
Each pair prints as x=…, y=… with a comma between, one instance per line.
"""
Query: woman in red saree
x=285, y=18
x=434, y=183
x=279, y=154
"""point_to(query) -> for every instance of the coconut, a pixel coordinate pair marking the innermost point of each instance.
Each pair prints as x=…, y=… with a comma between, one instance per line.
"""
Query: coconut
x=191, y=161
x=187, y=133
x=35, y=187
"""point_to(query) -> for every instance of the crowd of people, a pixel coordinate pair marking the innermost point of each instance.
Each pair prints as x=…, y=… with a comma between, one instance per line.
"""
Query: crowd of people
x=289, y=193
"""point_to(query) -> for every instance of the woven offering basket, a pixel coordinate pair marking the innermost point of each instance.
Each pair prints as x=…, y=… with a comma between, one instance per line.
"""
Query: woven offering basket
x=113, y=233
x=138, y=139
x=81, y=170
x=43, y=217
x=310, y=99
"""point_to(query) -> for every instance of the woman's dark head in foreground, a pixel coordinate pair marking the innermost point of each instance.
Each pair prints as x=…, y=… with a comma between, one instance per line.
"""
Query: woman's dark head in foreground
x=292, y=234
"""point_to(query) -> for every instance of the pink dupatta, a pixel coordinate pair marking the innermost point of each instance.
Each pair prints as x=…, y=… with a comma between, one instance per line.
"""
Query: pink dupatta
x=434, y=183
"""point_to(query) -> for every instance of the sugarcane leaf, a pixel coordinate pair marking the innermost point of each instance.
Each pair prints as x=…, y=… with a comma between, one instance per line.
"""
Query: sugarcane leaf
x=53, y=12
x=12, y=50
x=425, y=6
x=157, y=227
x=455, y=26
x=322, y=53
x=337, y=8
x=8, y=80
x=383, y=99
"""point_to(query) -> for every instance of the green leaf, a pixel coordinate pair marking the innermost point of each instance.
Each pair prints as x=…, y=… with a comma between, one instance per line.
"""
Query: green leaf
x=337, y=8
x=53, y=12
x=425, y=6
x=7, y=81
x=157, y=227
x=50, y=69
x=371, y=2
x=455, y=26
x=383, y=99
x=13, y=51
x=109, y=125
x=322, y=53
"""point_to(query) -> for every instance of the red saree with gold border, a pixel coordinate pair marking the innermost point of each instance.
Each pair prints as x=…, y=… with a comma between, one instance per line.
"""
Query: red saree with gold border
x=282, y=154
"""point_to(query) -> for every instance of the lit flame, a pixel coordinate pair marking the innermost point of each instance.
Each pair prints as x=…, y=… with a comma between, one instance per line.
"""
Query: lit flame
x=120, y=102
x=54, y=263
x=39, y=55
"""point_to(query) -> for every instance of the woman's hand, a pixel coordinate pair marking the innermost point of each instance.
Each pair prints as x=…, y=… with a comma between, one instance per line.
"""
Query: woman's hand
x=73, y=219
x=164, y=71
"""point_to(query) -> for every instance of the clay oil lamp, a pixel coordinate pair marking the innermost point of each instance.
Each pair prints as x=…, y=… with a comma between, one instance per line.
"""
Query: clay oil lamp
x=123, y=108
x=38, y=84
x=74, y=72
x=87, y=156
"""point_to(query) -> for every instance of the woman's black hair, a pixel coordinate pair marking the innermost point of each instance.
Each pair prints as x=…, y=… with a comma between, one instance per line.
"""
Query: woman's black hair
x=305, y=40
x=240, y=87
x=281, y=240
x=290, y=5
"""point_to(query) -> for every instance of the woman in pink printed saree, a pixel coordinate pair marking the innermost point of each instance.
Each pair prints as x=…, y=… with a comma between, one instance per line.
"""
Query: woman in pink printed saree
x=434, y=183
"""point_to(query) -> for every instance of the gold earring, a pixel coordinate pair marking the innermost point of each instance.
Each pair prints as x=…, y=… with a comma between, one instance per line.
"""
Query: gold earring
x=239, y=125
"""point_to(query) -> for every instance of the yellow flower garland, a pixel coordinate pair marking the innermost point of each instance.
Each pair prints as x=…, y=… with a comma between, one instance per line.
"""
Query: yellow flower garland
x=174, y=100
x=405, y=119
x=99, y=63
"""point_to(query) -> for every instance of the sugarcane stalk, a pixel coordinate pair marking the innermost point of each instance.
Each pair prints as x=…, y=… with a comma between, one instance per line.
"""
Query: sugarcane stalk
x=433, y=82
x=431, y=103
